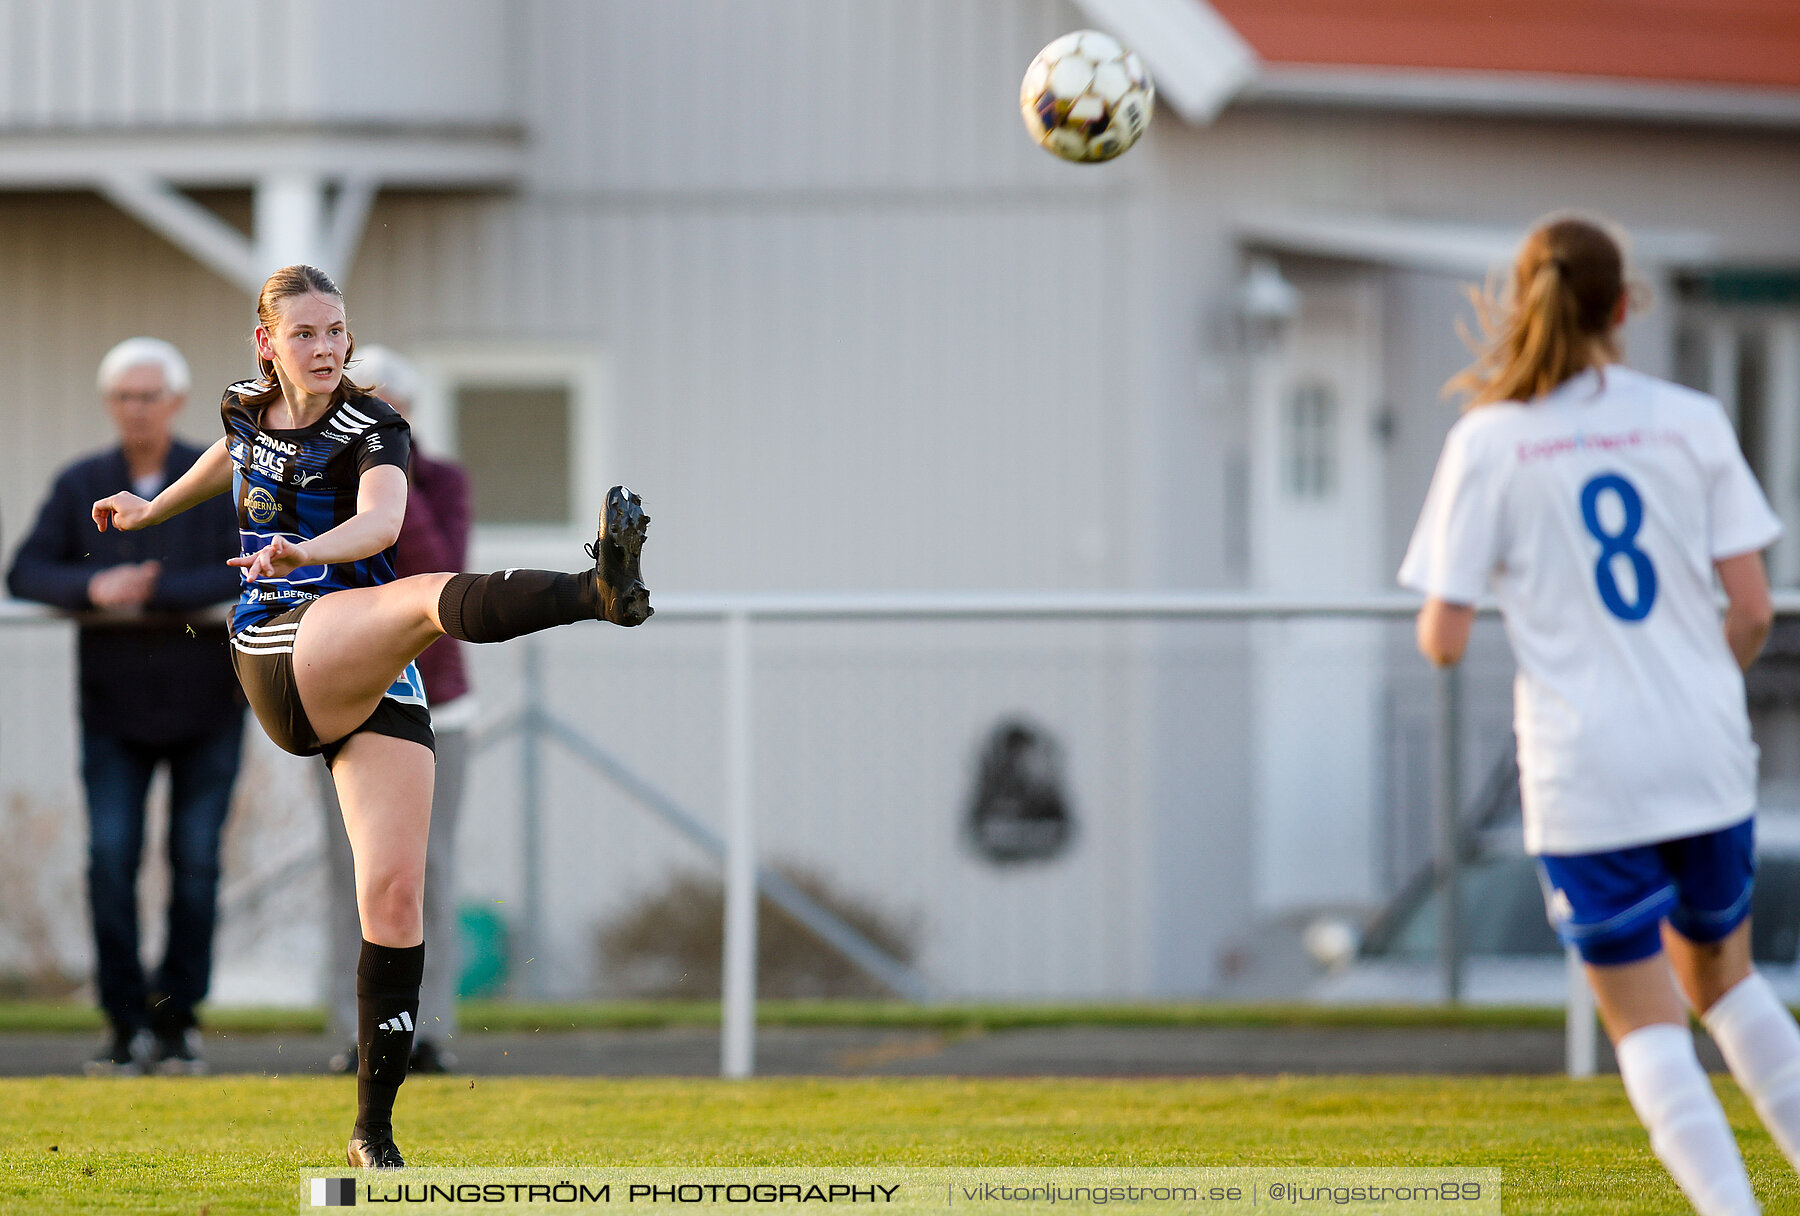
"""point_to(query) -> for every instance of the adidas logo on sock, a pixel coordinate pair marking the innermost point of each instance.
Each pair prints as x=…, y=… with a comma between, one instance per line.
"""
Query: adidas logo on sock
x=403, y=1022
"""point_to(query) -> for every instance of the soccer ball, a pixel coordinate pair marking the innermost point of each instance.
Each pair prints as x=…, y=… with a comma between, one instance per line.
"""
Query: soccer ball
x=1085, y=97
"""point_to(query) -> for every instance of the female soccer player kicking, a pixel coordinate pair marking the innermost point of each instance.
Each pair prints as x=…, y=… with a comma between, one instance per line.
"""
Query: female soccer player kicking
x=324, y=635
x=1598, y=504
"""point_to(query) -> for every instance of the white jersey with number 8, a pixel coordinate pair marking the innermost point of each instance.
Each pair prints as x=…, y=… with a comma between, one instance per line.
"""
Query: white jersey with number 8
x=1595, y=515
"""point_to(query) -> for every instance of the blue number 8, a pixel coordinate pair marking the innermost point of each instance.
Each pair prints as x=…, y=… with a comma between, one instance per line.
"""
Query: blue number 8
x=1619, y=544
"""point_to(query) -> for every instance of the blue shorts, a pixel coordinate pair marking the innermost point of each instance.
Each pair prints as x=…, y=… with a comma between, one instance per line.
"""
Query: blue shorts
x=1610, y=906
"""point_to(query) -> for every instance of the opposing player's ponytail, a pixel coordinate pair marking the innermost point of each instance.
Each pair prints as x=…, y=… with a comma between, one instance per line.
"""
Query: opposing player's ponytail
x=290, y=281
x=1553, y=320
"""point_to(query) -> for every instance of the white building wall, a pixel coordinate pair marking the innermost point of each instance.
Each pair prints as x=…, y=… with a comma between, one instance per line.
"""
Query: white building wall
x=170, y=64
x=831, y=372
x=895, y=378
x=910, y=98
x=76, y=276
x=861, y=335
x=841, y=362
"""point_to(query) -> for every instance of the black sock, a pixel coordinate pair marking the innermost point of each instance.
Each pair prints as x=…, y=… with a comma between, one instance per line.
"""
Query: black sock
x=512, y=603
x=387, y=1006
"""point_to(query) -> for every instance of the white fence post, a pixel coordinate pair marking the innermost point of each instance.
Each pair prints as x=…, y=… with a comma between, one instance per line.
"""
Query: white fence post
x=1580, y=1040
x=1449, y=833
x=738, y=1044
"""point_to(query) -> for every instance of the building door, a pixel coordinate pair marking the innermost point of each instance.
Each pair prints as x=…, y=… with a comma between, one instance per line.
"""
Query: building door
x=1315, y=531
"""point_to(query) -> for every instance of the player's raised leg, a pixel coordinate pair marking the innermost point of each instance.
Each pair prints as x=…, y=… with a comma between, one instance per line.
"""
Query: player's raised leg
x=510, y=603
x=353, y=644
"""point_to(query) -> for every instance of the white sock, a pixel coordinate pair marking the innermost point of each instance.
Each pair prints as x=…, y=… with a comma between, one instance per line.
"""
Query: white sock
x=1761, y=1045
x=1676, y=1103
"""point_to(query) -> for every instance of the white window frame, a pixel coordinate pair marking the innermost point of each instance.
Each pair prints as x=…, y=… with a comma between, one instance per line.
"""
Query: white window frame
x=1310, y=441
x=586, y=373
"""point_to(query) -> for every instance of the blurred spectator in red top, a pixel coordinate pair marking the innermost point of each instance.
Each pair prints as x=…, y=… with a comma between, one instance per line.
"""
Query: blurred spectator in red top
x=434, y=537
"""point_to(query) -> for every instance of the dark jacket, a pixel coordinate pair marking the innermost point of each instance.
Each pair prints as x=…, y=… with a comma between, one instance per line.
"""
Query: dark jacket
x=435, y=538
x=161, y=677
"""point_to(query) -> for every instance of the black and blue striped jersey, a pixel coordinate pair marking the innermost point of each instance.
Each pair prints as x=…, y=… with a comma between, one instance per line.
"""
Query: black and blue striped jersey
x=301, y=483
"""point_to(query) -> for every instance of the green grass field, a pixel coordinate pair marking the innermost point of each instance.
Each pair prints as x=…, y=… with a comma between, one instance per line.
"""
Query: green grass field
x=212, y=1146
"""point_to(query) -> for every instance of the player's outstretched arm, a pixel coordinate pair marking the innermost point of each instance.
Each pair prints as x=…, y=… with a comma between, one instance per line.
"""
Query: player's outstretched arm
x=1749, y=614
x=380, y=509
x=1443, y=630
x=208, y=477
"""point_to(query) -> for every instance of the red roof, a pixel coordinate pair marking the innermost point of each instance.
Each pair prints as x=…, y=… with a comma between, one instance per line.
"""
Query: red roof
x=1728, y=42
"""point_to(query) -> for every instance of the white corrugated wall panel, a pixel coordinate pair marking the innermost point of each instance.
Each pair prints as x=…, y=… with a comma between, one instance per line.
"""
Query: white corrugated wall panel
x=873, y=360
x=865, y=754
x=842, y=360
x=71, y=64
x=728, y=95
x=416, y=61
x=818, y=394
x=77, y=276
x=111, y=63
x=894, y=372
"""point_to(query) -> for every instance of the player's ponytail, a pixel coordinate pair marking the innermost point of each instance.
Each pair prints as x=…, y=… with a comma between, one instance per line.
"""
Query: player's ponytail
x=1553, y=320
x=290, y=281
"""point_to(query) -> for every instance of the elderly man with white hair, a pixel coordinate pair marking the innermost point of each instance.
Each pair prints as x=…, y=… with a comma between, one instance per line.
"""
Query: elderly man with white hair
x=156, y=690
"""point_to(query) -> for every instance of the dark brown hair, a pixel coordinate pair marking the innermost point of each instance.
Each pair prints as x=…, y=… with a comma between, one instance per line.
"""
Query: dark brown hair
x=1552, y=321
x=284, y=284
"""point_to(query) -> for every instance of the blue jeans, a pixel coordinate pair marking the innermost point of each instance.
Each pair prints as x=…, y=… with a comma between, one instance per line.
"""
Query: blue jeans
x=117, y=774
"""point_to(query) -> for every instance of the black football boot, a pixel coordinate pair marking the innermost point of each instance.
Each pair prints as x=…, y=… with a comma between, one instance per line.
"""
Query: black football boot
x=624, y=600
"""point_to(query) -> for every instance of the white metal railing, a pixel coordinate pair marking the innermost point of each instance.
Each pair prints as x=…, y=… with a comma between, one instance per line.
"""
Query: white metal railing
x=737, y=1054
x=739, y=613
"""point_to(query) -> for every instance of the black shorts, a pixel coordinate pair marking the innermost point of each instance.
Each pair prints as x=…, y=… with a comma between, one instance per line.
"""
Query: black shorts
x=263, y=656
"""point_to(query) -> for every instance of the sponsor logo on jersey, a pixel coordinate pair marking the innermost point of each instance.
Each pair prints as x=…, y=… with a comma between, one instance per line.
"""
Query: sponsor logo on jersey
x=1583, y=442
x=262, y=595
x=280, y=445
x=305, y=477
x=270, y=463
x=260, y=505
x=374, y=443
x=330, y=434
